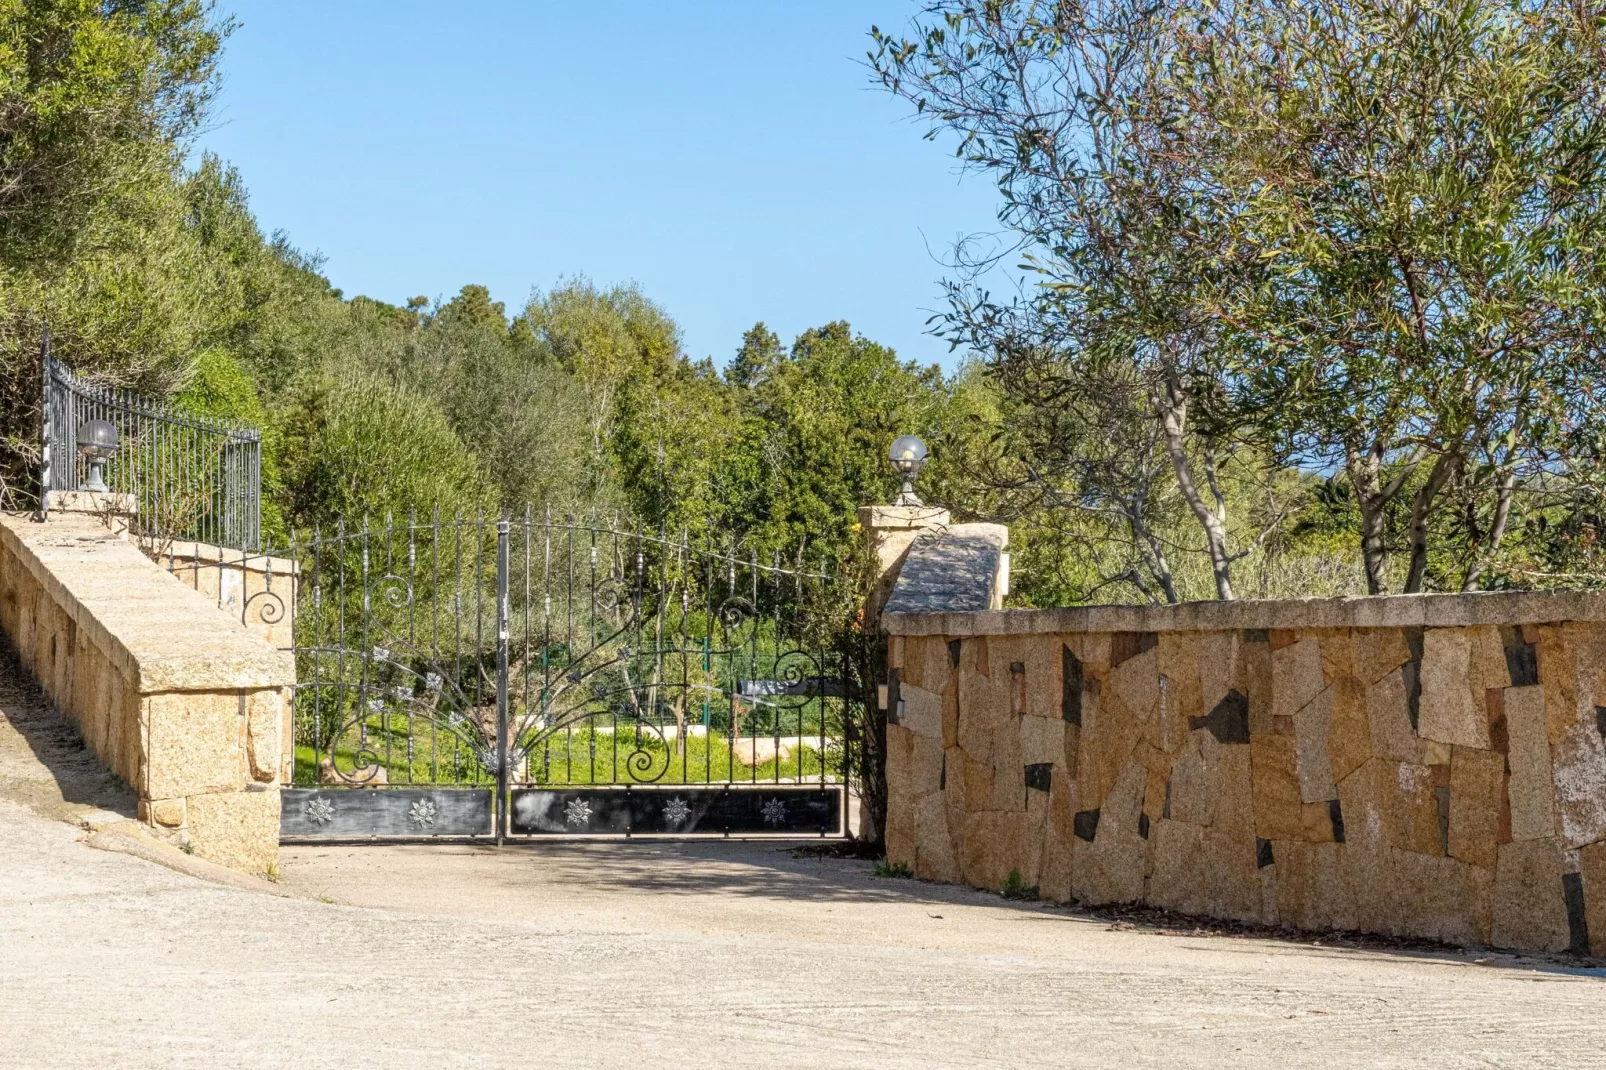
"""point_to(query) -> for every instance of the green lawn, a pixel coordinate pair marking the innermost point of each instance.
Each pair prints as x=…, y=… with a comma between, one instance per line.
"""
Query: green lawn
x=576, y=757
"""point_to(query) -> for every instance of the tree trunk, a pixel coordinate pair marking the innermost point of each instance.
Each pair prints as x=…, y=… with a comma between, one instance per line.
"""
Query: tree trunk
x=1171, y=407
x=1497, y=529
x=1444, y=466
x=1148, y=544
x=1365, y=475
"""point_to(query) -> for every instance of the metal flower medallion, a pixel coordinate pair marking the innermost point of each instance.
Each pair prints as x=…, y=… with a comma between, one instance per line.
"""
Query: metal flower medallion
x=676, y=811
x=774, y=811
x=319, y=811
x=422, y=814
x=578, y=812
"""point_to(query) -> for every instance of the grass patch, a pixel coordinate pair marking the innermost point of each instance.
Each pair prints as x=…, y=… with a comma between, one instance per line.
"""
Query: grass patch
x=900, y=870
x=1015, y=887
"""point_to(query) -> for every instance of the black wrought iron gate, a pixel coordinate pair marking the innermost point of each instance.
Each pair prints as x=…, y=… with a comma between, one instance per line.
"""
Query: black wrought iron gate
x=528, y=676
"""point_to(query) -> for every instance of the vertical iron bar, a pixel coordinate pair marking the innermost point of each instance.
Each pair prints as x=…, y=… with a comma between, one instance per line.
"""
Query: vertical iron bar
x=46, y=427
x=501, y=675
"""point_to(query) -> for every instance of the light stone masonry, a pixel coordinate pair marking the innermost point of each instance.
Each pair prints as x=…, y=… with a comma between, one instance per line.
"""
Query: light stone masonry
x=1429, y=766
x=181, y=700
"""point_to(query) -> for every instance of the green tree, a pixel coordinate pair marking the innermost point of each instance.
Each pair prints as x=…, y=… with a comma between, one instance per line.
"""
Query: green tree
x=817, y=430
x=607, y=340
x=94, y=97
x=761, y=352
x=1058, y=105
x=1413, y=196
x=360, y=448
x=520, y=413
x=96, y=101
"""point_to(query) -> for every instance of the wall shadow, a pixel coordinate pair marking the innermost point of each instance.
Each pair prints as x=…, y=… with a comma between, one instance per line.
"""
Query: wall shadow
x=769, y=869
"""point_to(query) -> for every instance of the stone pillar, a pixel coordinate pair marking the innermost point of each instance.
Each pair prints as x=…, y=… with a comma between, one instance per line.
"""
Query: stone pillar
x=889, y=531
x=258, y=590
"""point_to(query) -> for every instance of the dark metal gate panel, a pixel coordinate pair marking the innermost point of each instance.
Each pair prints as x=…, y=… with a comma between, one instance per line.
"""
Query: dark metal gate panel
x=681, y=810
x=355, y=813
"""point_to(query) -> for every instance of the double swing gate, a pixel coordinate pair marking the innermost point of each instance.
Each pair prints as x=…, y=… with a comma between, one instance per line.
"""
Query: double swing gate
x=528, y=676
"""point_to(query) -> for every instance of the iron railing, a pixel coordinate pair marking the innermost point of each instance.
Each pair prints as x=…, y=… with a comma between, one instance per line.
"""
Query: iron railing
x=192, y=477
x=529, y=674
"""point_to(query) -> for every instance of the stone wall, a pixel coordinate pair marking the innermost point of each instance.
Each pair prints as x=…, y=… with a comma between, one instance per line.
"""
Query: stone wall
x=181, y=701
x=1425, y=766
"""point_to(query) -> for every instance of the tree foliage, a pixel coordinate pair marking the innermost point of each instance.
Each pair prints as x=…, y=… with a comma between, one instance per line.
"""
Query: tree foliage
x=1361, y=239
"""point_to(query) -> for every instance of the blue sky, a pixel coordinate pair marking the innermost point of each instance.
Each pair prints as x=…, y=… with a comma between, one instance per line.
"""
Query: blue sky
x=731, y=158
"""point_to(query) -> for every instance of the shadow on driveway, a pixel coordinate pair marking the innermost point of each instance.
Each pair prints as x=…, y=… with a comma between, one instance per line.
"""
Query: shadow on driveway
x=44, y=763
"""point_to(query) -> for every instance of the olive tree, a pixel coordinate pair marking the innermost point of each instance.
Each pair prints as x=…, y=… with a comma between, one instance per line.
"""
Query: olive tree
x=1062, y=105
x=1411, y=198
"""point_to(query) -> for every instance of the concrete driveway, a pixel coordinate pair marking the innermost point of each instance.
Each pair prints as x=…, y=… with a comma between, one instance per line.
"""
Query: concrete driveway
x=695, y=955
x=669, y=955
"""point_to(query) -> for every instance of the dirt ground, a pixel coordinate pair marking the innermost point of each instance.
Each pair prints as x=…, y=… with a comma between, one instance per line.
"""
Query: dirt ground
x=706, y=954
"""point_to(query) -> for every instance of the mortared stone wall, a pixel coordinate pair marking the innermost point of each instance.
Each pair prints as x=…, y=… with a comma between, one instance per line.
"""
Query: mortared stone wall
x=1428, y=766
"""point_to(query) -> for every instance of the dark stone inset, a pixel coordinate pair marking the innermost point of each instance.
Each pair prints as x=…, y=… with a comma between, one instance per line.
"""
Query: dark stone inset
x=1126, y=645
x=1600, y=720
x=1040, y=775
x=953, y=652
x=1070, y=687
x=1018, y=668
x=942, y=773
x=1336, y=812
x=1263, y=855
x=1411, y=673
x=1256, y=635
x=1165, y=810
x=1572, y=890
x=1086, y=824
x=1143, y=825
x=1229, y=721
x=1495, y=706
x=1442, y=797
x=1522, y=660
x=894, y=694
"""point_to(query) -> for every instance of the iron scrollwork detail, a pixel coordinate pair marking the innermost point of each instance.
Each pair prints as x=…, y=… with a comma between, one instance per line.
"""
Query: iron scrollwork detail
x=411, y=658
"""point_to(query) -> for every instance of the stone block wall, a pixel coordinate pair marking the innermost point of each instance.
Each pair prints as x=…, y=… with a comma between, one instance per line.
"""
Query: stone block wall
x=1427, y=766
x=180, y=700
